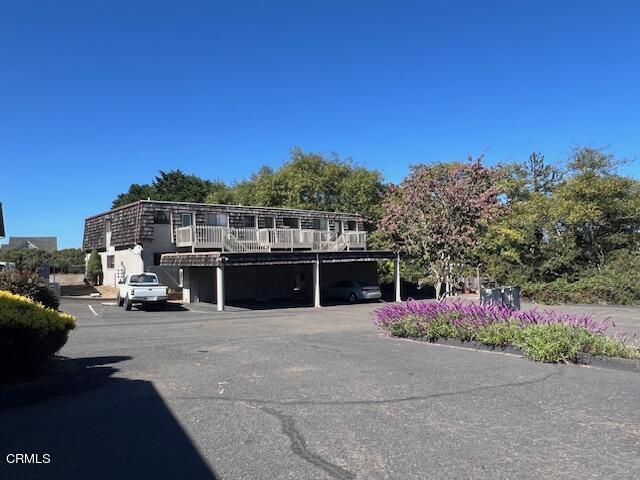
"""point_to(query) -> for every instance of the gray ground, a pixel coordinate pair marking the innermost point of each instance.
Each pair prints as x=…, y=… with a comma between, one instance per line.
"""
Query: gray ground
x=314, y=394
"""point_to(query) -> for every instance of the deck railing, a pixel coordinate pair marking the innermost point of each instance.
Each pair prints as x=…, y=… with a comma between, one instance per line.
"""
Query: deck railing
x=267, y=239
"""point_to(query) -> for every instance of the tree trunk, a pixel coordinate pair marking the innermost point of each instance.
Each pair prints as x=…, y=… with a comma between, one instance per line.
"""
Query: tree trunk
x=438, y=289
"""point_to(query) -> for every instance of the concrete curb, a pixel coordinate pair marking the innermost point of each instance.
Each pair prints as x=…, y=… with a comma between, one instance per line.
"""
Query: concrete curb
x=88, y=299
x=613, y=363
x=60, y=376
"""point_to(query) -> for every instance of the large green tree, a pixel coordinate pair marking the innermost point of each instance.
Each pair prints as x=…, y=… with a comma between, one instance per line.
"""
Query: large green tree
x=314, y=181
x=176, y=186
x=563, y=227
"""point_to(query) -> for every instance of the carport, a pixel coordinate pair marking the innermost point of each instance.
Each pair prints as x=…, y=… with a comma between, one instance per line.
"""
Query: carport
x=217, y=276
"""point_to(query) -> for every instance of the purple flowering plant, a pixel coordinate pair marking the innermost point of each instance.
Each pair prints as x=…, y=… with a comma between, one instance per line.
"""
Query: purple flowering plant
x=542, y=335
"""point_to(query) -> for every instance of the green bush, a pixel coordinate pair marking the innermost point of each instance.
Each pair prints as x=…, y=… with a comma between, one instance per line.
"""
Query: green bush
x=619, y=290
x=499, y=334
x=29, y=333
x=562, y=343
x=94, y=268
x=29, y=285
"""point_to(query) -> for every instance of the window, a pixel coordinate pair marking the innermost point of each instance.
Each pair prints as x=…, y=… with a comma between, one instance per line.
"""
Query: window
x=161, y=217
x=218, y=219
x=291, y=222
x=144, y=278
x=351, y=225
x=248, y=221
x=110, y=261
x=107, y=225
x=269, y=222
x=319, y=223
x=187, y=219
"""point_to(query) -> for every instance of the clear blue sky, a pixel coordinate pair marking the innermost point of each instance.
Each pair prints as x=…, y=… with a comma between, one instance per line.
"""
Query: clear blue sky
x=95, y=95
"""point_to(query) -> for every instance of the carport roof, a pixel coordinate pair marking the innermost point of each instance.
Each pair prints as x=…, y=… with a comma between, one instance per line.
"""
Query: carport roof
x=213, y=259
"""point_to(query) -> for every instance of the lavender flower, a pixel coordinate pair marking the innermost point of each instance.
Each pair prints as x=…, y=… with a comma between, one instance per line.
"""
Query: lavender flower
x=469, y=314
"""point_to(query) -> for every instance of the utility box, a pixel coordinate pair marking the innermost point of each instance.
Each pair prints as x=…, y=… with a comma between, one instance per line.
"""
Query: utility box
x=503, y=296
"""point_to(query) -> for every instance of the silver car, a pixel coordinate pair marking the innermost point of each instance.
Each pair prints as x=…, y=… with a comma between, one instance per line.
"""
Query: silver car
x=353, y=291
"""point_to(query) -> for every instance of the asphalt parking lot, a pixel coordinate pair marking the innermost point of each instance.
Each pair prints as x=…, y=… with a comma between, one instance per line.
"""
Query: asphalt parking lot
x=307, y=393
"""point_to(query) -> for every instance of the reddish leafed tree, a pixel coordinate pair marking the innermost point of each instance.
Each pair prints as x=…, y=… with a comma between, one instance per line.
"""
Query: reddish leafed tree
x=437, y=214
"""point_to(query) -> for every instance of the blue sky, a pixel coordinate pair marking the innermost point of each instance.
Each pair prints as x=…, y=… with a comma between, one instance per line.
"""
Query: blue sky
x=95, y=95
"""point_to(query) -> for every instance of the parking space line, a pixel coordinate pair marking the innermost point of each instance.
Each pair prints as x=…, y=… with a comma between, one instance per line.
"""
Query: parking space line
x=92, y=310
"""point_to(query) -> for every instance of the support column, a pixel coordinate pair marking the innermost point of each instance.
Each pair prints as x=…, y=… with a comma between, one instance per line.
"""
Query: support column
x=396, y=269
x=316, y=283
x=220, y=288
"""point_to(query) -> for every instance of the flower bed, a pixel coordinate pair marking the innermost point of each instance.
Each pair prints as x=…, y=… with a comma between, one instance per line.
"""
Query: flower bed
x=29, y=333
x=547, y=336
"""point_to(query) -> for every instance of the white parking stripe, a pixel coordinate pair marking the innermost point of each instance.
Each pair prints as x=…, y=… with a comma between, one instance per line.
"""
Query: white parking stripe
x=92, y=310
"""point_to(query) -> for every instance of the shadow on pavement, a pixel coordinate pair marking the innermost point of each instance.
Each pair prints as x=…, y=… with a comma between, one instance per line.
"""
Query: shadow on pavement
x=271, y=303
x=112, y=428
x=168, y=307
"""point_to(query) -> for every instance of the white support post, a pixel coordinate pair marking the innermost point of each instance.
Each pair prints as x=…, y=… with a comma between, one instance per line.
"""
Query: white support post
x=316, y=283
x=396, y=268
x=220, y=288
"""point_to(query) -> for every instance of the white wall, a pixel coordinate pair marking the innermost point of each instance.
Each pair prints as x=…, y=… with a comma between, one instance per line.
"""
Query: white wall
x=169, y=276
x=133, y=263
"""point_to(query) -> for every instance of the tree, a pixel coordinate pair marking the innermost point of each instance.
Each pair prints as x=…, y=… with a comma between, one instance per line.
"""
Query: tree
x=566, y=228
x=25, y=258
x=63, y=260
x=437, y=214
x=136, y=192
x=175, y=186
x=598, y=209
x=311, y=181
x=94, y=268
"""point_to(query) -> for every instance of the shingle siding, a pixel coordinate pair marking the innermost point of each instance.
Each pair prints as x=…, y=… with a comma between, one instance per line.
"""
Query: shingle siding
x=133, y=223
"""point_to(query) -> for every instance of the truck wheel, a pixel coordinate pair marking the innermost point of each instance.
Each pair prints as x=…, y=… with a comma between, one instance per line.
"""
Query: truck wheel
x=127, y=303
x=120, y=300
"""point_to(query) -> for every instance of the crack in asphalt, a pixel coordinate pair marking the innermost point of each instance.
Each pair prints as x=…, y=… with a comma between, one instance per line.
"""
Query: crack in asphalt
x=299, y=446
x=412, y=398
x=298, y=443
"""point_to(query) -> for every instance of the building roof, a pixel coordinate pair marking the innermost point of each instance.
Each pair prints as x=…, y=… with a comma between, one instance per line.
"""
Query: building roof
x=48, y=244
x=221, y=205
x=213, y=259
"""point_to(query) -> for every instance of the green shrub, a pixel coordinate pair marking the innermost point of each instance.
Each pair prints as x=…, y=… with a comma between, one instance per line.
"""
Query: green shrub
x=94, y=268
x=29, y=333
x=562, y=343
x=499, y=334
x=551, y=343
x=29, y=285
x=617, y=289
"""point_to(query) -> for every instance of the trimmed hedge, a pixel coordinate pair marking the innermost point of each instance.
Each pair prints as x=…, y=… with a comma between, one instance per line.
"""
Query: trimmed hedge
x=543, y=336
x=29, y=285
x=30, y=333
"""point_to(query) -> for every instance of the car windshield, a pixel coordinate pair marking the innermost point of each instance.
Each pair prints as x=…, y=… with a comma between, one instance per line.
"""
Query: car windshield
x=143, y=279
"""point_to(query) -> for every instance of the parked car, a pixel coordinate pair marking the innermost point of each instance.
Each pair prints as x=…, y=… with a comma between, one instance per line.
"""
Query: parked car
x=353, y=291
x=9, y=266
x=142, y=288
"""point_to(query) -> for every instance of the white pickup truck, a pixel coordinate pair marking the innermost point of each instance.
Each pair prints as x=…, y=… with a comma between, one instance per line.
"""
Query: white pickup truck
x=141, y=288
